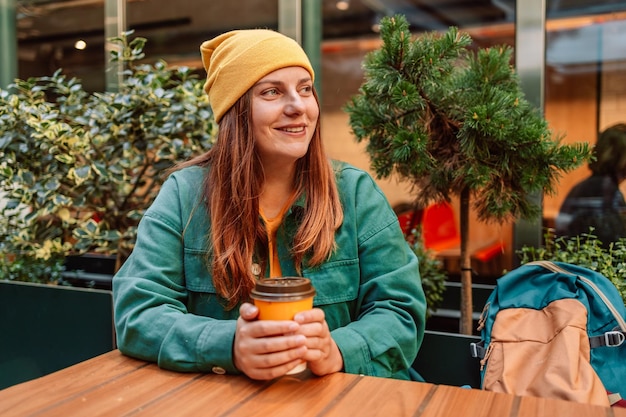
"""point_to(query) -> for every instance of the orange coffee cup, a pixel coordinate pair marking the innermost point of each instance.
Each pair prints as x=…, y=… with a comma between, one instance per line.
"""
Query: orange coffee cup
x=282, y=299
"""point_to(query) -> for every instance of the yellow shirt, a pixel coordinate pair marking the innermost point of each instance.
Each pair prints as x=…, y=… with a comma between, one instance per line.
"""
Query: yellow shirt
x=271, y=225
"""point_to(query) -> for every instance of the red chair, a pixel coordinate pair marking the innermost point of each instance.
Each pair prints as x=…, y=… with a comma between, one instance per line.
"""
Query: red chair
x=440, y=234
x=439, y=230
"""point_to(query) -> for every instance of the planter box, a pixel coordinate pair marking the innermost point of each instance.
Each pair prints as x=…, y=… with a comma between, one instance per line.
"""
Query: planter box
x=45, y=328
x=90, y=270
x=444, y=358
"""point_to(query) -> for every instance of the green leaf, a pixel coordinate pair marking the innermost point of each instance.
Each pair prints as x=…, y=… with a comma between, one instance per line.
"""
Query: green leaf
x=83, y=172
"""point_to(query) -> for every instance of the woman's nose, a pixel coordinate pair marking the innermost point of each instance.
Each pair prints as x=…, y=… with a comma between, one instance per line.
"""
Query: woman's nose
x=295, y=104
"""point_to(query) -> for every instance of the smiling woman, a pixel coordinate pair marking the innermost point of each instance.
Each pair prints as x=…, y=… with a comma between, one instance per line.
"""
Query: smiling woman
x=265, y=201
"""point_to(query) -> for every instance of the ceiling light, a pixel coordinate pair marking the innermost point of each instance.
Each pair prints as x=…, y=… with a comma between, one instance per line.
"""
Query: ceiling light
x=343, y=4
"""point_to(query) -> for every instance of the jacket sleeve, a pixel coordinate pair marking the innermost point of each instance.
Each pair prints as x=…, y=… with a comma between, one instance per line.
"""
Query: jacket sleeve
x=385, y=337
x=150, y=295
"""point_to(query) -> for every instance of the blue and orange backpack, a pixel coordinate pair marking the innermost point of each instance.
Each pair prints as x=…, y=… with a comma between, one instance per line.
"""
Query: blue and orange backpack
x=553, y=329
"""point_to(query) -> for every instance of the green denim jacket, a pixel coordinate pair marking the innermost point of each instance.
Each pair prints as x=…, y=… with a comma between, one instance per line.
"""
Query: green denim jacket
x=167, y=310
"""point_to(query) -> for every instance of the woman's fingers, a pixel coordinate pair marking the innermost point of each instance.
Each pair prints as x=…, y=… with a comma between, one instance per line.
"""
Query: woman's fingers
x=248, y=311
x=273, y=372
x=266, y=349
x=314, y=327
x=322, y=354
x=272, y=357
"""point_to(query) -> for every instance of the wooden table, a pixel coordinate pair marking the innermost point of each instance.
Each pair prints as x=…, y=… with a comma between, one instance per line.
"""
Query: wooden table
x=115, y=385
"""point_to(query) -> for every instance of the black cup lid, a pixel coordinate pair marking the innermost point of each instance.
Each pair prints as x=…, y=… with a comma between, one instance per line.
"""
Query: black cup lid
x=280, y=287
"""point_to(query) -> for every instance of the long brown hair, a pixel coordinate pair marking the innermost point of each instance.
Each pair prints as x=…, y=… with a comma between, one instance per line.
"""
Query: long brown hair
x=232, y=187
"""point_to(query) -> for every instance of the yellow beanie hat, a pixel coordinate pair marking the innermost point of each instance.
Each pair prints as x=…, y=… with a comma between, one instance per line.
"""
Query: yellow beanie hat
x=236, y=60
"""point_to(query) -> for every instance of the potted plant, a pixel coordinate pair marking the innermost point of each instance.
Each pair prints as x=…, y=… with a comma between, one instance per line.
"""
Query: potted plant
x=454, y=122
x=78, y=169
x=77, y=172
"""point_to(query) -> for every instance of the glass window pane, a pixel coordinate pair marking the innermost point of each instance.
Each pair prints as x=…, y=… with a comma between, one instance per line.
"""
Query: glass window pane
x=586, y=94
x=48, y=32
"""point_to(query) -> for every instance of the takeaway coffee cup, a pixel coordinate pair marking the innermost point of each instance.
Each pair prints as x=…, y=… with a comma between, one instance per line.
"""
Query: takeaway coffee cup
x=281, y=299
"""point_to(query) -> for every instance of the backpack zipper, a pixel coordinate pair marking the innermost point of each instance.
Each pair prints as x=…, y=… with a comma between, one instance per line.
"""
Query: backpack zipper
x=483, y=317
x=484, y=360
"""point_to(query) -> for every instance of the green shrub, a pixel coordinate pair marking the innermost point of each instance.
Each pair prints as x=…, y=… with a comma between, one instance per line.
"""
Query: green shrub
x=29, y=269
x=78, y=169
x=431, y=271
x=585, y=250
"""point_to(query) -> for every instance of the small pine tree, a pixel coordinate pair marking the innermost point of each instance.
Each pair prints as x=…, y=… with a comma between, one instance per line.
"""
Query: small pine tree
x=454, y=122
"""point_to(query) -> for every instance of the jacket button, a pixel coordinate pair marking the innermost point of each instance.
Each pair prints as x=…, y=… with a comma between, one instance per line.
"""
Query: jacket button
x=218, y=370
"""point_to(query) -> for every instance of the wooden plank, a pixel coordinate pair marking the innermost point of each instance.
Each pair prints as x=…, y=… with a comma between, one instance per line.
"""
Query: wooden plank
x=297, y=395
x=533, y=406
x=450, y=401
x=45, y=392
x=379, y=397
x=123, y=394
x=115, y=385
x=210, y=395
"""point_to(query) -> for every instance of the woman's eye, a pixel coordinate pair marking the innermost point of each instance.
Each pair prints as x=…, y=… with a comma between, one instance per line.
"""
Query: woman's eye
x=307, y=89
x=270, y=92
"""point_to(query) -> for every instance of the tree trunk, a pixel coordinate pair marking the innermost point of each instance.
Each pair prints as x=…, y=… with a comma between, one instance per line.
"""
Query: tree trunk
x=466, y=322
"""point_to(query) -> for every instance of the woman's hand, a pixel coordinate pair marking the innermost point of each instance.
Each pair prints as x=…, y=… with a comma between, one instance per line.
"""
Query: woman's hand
x=266, y=349
x=322, y=352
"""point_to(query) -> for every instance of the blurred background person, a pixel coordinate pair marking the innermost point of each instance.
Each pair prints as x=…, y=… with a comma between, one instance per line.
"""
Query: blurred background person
x=597, y=202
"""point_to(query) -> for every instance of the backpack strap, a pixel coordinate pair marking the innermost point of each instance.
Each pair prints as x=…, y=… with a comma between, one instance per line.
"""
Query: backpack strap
x=613, y=338
x=610, y=339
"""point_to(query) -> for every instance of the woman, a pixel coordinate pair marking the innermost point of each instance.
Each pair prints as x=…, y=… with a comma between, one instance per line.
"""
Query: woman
x=266, y=201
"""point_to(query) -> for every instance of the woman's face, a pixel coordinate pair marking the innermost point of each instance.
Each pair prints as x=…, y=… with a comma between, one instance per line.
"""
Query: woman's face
x=284, y=115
